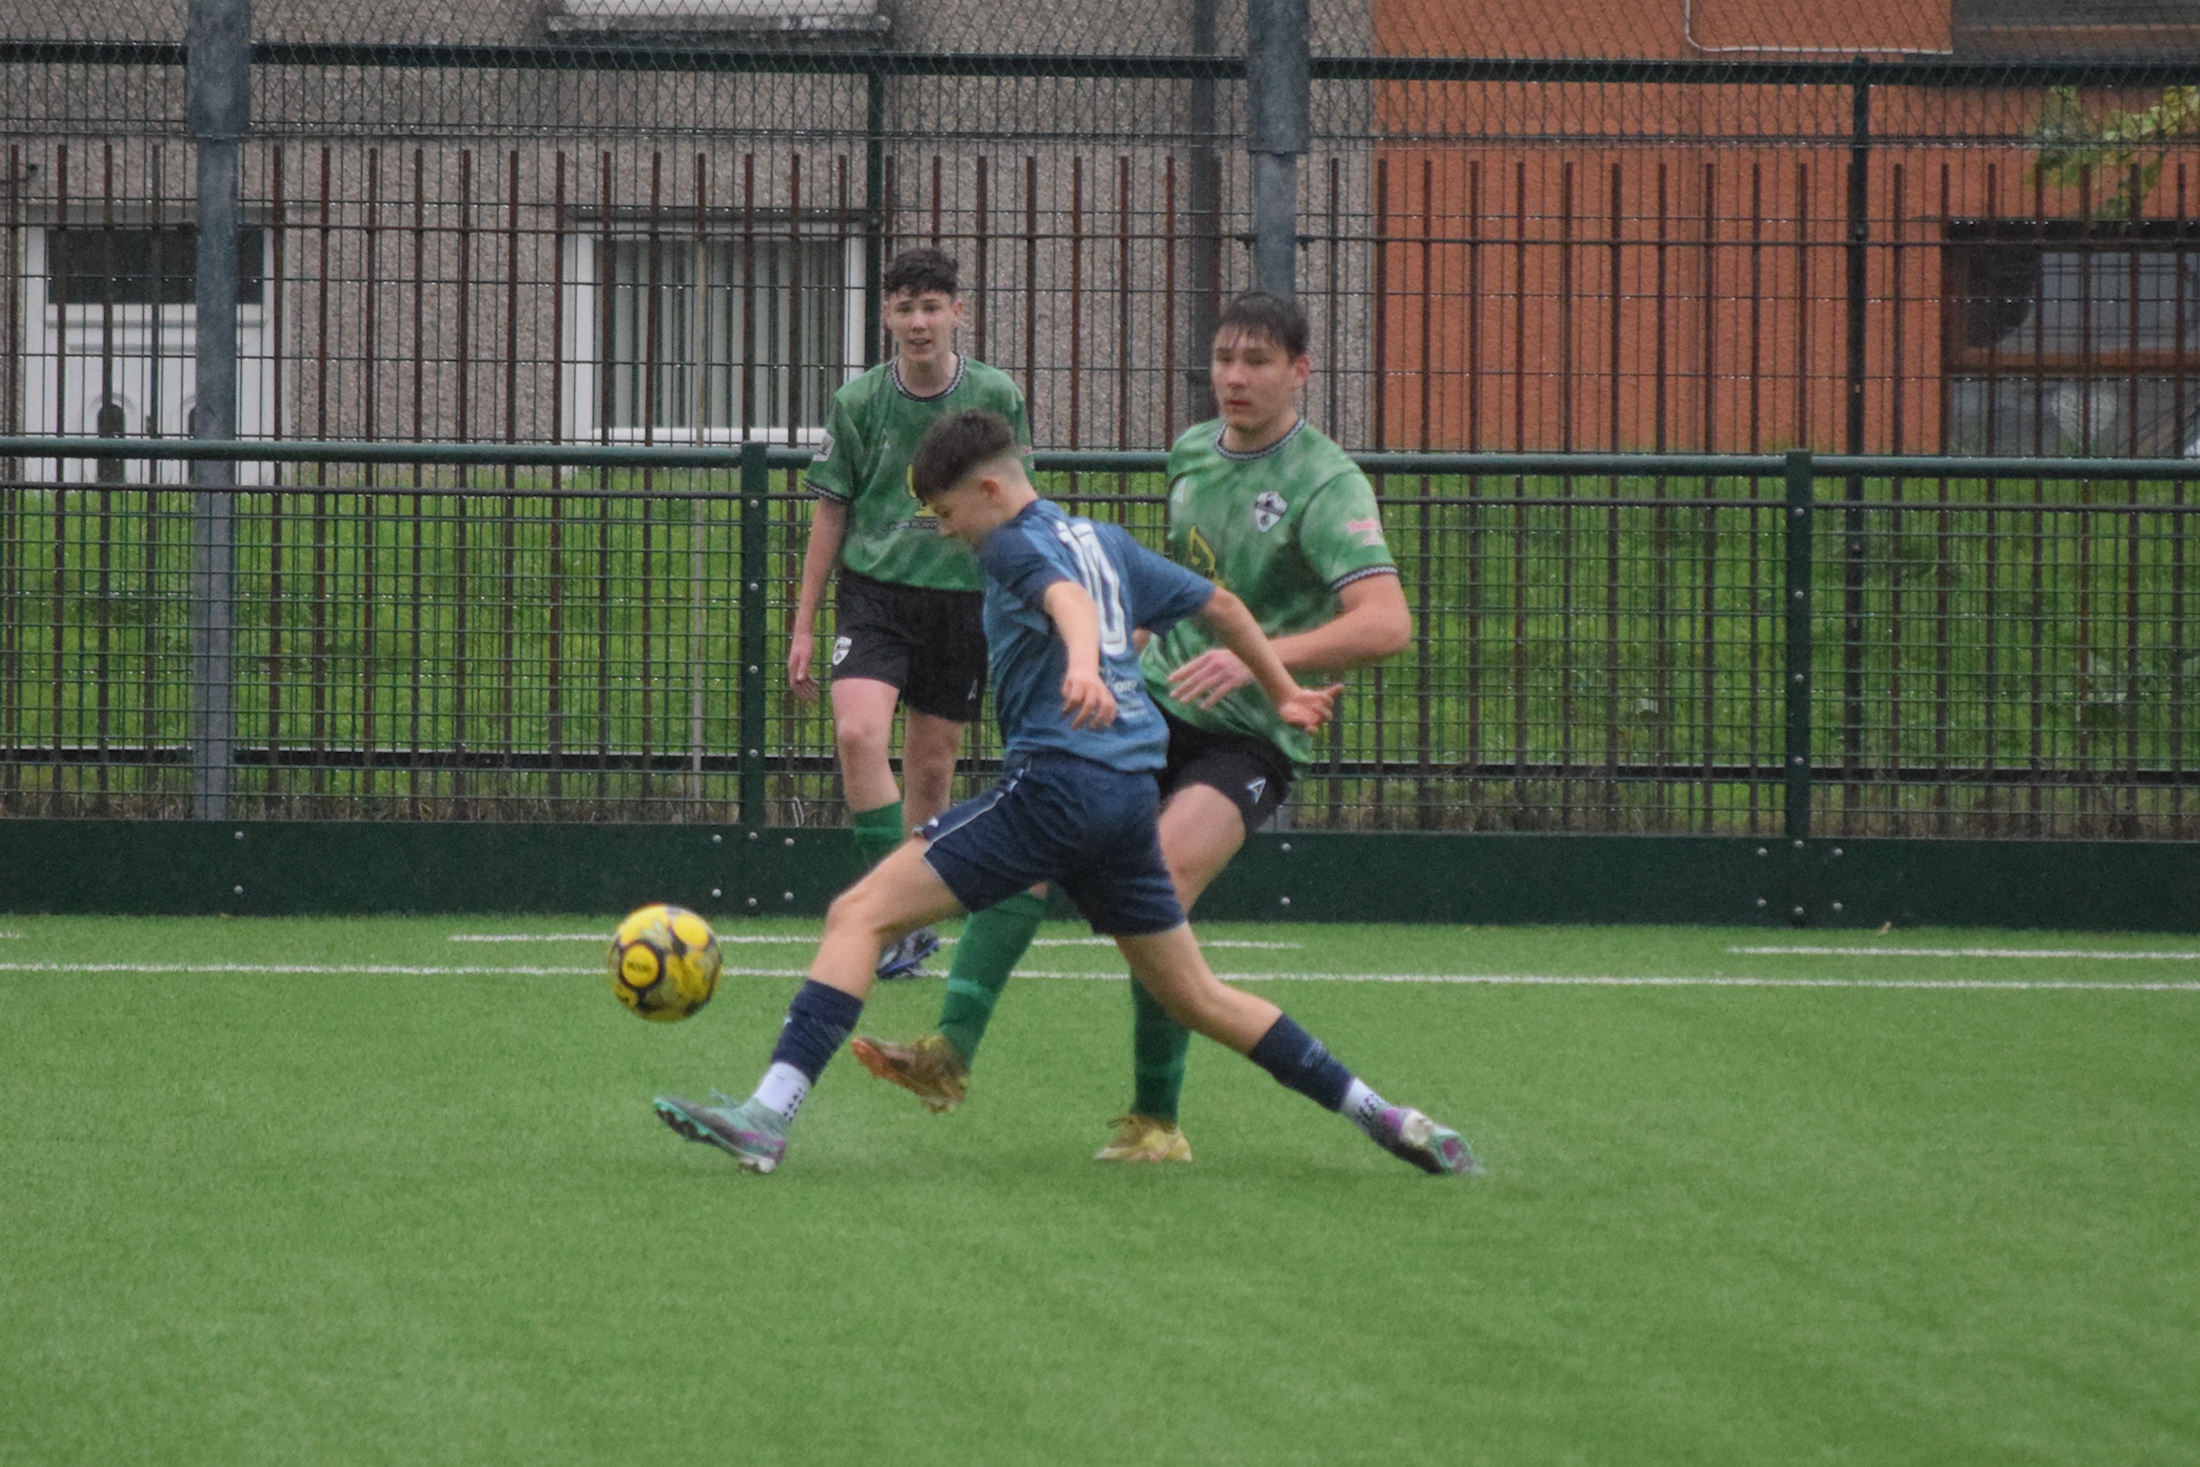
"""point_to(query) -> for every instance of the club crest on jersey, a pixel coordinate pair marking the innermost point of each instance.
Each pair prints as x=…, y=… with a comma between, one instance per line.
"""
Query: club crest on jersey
x=1268, y=509
x=1200, y=556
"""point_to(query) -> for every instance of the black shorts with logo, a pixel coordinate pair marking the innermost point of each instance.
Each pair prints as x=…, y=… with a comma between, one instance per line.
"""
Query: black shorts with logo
x=1250, y=772
x=928, y=643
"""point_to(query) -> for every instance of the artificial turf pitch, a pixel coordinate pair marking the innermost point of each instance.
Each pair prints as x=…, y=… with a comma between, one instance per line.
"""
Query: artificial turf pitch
x=425, y=1217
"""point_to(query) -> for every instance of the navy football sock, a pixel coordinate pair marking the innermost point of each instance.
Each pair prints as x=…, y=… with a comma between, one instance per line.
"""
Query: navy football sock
x=818, y=1020
x=1299, y=1062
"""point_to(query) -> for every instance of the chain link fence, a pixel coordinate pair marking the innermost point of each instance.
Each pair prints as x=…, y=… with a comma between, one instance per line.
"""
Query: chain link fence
x=1710, y=226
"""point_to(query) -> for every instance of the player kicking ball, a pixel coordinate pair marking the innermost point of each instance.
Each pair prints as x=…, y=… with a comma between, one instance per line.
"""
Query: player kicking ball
x=1077, y=804
x=1262, y=503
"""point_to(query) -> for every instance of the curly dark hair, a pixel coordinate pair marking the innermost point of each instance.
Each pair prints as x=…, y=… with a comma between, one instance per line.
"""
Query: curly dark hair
x=919, y=271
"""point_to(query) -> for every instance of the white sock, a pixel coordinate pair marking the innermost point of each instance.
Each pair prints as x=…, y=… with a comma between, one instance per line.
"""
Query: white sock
x=782, y=1089
x=1363, y=1107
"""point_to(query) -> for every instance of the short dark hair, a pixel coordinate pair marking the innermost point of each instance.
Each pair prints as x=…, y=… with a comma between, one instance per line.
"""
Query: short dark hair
x=1257, y=313
x=918, y=271
x=954, y=447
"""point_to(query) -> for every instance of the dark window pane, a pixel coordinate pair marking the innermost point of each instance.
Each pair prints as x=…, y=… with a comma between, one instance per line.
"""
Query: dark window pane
x=142, y=267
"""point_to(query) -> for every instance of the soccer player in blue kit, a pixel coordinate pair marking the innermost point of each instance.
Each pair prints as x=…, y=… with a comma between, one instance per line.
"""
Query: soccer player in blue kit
x=1077, y=805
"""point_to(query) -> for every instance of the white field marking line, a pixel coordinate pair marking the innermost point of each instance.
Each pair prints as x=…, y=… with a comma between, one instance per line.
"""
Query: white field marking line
x=403, y=969
x=599, y=938
x=724, y=940
x=1520, y=980
x=2089, y=954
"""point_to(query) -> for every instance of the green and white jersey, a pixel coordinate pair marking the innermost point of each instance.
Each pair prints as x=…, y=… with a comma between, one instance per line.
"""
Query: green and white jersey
x=1285, y=529
x=864, y=463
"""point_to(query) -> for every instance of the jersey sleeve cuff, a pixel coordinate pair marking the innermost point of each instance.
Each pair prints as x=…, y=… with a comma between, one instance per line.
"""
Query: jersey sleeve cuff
x=1362, y=574
x=822, y=492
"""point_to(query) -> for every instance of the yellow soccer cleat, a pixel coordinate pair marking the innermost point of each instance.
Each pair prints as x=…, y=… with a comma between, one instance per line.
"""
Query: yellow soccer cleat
x=929, y=1069
x=1142, y=1138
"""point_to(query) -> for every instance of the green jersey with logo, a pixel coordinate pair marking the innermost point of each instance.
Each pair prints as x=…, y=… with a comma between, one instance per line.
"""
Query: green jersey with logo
x=864, y=464
x=1284, y=529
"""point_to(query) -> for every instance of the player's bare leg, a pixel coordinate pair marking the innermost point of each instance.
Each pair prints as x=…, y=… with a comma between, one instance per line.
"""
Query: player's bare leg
x=930, y=745
x=1171, y=967
x=863, y=735
x=936, y=1068
x=1201, y=832
x=899, y=894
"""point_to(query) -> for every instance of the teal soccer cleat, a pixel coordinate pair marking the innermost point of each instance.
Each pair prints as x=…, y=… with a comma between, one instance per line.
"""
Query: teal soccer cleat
x=1411, y=1136
x=905, y=957
x=751, y=1134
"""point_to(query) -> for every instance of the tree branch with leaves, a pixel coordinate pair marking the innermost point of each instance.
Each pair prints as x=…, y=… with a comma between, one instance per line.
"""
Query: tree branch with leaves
x=2073, y=144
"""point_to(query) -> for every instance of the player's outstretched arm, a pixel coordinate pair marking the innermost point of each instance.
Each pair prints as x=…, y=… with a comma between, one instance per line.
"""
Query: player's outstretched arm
x=1085, y=695
x=1302, y=708
x=828, y=527
x=1373, y=623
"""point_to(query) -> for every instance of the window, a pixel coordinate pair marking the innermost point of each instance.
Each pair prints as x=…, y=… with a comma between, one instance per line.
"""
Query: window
x=2062, y=29
x=704, y=340
x=854, y=19
x=2072, y=12
x=112, y=329
x=2072, y=339
x=142, y=267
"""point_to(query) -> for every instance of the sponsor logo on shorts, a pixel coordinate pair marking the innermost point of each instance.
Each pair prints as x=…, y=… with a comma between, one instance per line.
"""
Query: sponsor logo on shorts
x=1269, y=509
x=840, y=650
x=1369, y=531
x=1255, y=788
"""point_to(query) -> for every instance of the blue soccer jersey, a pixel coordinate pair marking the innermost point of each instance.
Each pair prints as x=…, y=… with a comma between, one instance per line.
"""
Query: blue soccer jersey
x=1132, y=587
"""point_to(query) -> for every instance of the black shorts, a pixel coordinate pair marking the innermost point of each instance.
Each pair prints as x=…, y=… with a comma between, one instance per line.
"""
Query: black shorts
x=930, y=644
x=1251, y=773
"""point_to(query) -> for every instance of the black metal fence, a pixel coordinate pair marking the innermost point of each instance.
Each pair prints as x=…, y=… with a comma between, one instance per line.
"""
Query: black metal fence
x=1618, y=644
x=578, y=237
x=630, y=224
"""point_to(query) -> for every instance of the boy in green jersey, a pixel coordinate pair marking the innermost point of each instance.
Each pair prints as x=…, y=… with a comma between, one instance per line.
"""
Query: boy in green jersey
x=1268, y=507
x=907, y=625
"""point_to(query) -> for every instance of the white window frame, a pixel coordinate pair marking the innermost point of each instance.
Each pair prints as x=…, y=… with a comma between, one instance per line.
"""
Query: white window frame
x=814, y=11
x=581, y=353
x=147, y=338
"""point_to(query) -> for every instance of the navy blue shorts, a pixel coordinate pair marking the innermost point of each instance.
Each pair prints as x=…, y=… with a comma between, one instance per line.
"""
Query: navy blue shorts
x=1090, y=829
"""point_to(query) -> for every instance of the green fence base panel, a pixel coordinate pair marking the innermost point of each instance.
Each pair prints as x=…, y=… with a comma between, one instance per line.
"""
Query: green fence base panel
x=285, y=867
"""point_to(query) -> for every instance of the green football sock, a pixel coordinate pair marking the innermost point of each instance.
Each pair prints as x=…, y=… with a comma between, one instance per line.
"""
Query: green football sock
x=878, y=832
x=993, y=942
x=1158, y=1046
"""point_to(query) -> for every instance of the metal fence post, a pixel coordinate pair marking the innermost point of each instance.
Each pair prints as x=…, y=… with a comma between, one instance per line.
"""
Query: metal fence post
x=874, y=212
x=755, y=485
x=1801, y=480
x=1853, y=566
x=1279, y=123
x=1204, y=206
x=218, y=80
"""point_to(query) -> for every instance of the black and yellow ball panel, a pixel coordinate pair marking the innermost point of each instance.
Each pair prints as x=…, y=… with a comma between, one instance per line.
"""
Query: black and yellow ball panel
x=664, y=962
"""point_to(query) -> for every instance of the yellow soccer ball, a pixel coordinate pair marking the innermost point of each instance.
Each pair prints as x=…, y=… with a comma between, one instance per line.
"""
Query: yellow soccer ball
x=664, y=963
